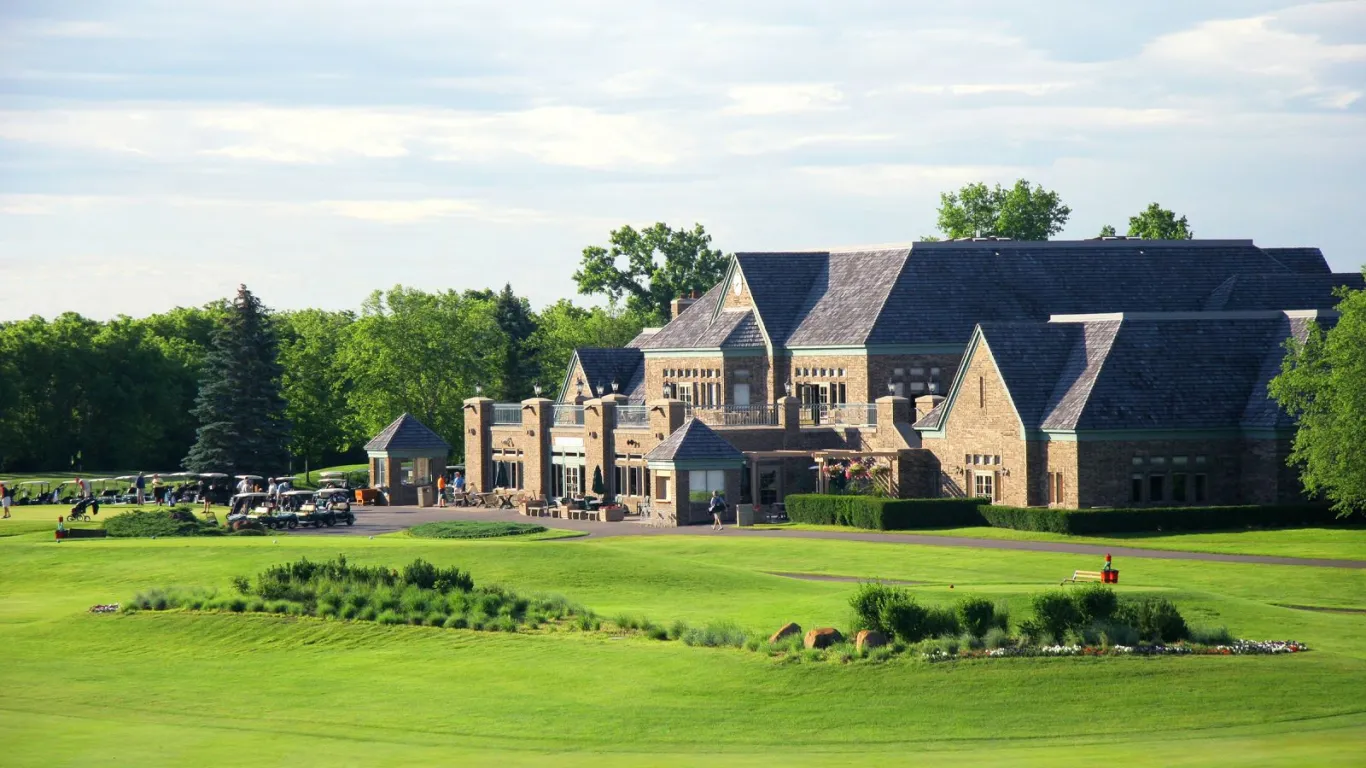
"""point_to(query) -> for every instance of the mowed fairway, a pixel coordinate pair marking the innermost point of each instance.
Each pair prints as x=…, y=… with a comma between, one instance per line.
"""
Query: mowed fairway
x=176, y=688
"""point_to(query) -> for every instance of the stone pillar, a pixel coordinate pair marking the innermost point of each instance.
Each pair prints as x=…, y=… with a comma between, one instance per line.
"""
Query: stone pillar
x=892, y=410
x=537, y=415
x=923, y=405
x=597, y=421
x=478, y=418
x=665, y=417
x=609, y=441
x=790, y=419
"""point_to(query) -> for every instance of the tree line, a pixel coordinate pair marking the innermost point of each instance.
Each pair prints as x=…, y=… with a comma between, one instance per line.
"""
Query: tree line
x=126, y=393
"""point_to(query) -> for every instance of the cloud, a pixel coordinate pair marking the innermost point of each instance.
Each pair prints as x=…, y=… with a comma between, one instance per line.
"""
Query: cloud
x=783, y=98
x=568, y=136
x=411, y=211
x=897, y=179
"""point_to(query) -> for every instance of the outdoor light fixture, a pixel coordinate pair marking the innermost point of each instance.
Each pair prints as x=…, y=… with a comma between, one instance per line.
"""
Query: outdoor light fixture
x=578, y=387
x=891, y=388
x=536, y=388
x=787, y=387
x=478, y=389
x=615, y=385
x=934, y=387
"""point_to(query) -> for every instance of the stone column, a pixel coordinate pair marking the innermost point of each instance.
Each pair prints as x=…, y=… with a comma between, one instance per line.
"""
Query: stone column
x=478, y=418
x=893, y=410
x=537, y=414
x=790, y=419
x=609, y=441
x=923, y=405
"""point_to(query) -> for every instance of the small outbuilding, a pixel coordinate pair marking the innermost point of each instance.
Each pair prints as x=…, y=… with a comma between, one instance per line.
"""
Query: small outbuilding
x=405, y=456
x=690, y=464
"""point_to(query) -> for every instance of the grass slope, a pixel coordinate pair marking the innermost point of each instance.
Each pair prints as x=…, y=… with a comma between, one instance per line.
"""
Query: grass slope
x=151, y=686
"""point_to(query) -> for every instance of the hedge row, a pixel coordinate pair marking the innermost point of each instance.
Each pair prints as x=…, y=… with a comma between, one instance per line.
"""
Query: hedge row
x=1152, y=519
x=881, y=514
x=910, y=514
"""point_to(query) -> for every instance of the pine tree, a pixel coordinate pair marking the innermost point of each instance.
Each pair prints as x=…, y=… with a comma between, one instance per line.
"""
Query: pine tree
x=242, y=426
x=517, y=323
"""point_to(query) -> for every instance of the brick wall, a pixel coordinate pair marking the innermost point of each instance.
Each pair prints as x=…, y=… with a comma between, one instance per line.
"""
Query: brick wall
x=1105, y=469
x=880, y=369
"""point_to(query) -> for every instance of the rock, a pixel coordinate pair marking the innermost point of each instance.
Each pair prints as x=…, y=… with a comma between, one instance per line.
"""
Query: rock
x=867, y=639
x=788, y=629
x=823, y=637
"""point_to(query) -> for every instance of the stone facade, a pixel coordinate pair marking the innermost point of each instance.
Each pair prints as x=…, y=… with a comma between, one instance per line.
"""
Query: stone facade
x=983, y=449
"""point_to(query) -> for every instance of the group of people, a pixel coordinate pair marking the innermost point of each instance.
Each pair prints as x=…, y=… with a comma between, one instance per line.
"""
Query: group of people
x=458, y=484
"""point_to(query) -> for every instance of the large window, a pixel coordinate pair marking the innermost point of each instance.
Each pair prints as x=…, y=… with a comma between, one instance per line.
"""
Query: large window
x=507, y=474
x=381, y=473
x=1199, y=488
x=566, y=474
x=1179, y=487
x=984, y=485
x=1136, y=488
x=1157, y=487
x=707, y=480
x=1055, y=495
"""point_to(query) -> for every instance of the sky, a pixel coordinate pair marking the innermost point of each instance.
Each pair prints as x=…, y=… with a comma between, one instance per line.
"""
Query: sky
x=157, y=153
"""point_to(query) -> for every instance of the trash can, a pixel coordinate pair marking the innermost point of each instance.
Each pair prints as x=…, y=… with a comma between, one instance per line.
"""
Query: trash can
x=425, y=496
x=744, y=515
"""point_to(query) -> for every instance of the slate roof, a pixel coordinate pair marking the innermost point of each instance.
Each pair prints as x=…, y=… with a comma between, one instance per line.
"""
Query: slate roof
x=1178, y=372
x=695, y=441
x=694, y=327
x=1281, y=291
x=946, y=288
x=406, y=433
x=935, y=293
x=642, y=337
x=1307, y=261
x=603, y=365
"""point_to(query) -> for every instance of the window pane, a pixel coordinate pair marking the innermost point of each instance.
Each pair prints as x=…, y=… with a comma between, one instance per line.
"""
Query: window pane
x=1179, y=486
x=1199, y=488
x=1136, y=488
x=1156, y=487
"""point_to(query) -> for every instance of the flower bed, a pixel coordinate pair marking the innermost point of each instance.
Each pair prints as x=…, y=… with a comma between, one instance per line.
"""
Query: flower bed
x=1236, y=648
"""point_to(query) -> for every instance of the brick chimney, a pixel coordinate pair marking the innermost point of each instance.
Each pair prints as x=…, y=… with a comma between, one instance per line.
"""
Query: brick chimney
x=681, y=303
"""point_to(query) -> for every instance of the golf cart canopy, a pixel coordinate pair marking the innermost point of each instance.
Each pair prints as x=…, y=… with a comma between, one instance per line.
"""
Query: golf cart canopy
x=297, y=493
x=249, y=477
x=126, y=477
x=252, y=496
x=211, y=475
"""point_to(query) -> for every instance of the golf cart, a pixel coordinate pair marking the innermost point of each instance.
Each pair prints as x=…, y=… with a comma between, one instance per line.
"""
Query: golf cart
x=328, y=506
x=217, y=486
x=32, y=492
x=257, y=508
x=127, y=492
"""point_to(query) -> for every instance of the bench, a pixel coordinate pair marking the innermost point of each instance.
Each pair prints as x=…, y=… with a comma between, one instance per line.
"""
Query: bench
x=1104, y=577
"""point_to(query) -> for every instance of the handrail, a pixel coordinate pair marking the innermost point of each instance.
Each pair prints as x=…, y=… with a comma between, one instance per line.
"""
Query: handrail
x=568, y=415
x=507, y=413
x=840, y=414
x=633, y=416
x=756, y=415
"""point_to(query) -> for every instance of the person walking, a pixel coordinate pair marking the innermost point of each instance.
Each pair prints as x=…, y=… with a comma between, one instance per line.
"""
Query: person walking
x=716, y=506
x=6, y=497
x=82, y=488
x=140, y=485
x=441, y=490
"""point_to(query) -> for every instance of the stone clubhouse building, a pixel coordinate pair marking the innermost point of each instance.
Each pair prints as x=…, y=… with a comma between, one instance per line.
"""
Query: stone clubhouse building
x=1095, y=373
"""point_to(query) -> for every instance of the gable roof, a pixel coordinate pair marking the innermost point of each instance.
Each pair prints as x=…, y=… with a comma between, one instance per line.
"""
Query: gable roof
x=696, y=442
x=1175, y=371
x=406, y=433
x=845, y=298
x=1307, y=261
x=699, y=327
x=1281, y=291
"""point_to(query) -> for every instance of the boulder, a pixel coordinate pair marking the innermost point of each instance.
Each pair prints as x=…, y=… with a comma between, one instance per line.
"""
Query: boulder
x=868, y=639
x=787, y=630
x=823, y=637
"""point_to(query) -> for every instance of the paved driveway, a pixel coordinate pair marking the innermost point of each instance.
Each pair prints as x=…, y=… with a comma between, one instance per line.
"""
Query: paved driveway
x=371, y=521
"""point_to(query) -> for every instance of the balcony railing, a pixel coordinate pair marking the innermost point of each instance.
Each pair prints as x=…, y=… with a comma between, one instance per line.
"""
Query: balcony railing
x=758, y=415
x=842, y=414
x=507, y=413
x=568, y=416
x=633, y=416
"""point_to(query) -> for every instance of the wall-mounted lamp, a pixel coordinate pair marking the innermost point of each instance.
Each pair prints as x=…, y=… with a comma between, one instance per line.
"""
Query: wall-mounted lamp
x=616, y=385
x=891, y=387
x=536, y=388
x=787, y=388
x=478, y=389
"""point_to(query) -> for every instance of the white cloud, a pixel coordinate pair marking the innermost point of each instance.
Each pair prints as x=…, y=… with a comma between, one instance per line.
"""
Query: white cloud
x=410, y=211
x=783, y=98
x=898, y=179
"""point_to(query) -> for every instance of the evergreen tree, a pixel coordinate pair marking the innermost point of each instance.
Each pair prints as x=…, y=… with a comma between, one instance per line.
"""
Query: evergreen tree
x=241, y=415
x=514, y=317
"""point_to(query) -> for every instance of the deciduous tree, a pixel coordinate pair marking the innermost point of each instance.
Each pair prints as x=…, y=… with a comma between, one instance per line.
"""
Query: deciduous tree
x=1158, y=223
x=651, y=267
x=1323, y=382
x=1021, y=212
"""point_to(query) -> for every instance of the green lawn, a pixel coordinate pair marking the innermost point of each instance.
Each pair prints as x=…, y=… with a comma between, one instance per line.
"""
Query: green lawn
x=1346, y=542
x=169, y=688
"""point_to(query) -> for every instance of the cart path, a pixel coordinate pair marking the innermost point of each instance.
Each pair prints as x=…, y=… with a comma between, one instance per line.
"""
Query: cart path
x=372, y=521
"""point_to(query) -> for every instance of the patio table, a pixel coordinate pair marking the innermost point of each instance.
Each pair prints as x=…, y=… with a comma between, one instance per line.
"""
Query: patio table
x=505, y=501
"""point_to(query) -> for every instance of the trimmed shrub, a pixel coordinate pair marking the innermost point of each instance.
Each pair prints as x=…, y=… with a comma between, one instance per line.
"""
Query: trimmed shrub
x=880, y=514
x=1095, y=603
x=1055, y=613
x=941, y=621
x=977, y=615
x=1152, y=519
x=1155, y=618
x=716, y=635
x=1211, y=635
